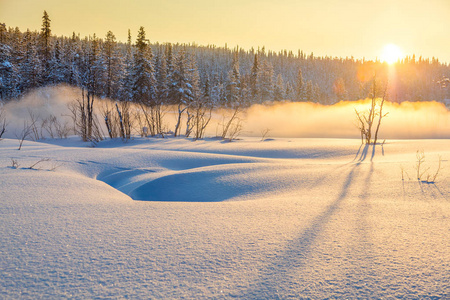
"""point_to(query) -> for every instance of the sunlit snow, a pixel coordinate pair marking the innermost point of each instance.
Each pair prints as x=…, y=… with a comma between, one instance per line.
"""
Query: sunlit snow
x=172, y=218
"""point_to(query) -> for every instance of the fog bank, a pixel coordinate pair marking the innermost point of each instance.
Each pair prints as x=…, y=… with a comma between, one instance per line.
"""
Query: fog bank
x=408, y=120
x=288, y=119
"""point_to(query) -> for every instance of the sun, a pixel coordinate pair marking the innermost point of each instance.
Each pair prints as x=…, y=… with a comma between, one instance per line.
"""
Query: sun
x=391, y=53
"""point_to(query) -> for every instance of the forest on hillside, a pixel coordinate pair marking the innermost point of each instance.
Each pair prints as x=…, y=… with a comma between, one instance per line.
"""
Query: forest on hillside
x=142, y=71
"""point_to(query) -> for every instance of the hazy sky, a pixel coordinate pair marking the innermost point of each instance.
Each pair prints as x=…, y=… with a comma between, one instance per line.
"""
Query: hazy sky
x=343, y=28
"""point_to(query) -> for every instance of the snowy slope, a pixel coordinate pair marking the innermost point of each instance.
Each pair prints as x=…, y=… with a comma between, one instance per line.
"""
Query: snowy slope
x=172, y=218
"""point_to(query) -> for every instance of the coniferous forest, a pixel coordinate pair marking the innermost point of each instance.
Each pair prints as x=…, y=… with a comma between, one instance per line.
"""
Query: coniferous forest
x=170, y=73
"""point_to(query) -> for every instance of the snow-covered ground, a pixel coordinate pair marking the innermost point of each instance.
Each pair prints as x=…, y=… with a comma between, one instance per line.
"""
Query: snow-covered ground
x=172, y=218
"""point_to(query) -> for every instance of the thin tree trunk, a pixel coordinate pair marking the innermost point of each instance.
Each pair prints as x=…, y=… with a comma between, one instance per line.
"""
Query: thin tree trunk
x=122, y=130
x=381, y=116
x=178, y=125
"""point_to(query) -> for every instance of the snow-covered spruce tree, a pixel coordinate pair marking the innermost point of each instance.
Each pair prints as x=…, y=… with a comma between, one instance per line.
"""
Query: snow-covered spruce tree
x=316, y=93
x=144, y=81
x=234, y=82
x=245, y=91
x=254, y=80
x=113, y=66
x=309, y=91
x=290, y=95
x=234, y=103
x=300, y=88
x=126, y=80
x=279, y=93
x=267, y=81
x=171, y=87
x=31, y=68
x=218, y=93
x=72, y=60
x=9, y=79
x=57, y=69
x=340, y=90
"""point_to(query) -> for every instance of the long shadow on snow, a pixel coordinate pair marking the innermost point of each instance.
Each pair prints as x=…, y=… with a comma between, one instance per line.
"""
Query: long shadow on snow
x=275, y=277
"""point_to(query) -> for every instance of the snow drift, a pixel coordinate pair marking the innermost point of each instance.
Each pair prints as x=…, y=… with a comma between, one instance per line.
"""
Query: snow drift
x=285, y=218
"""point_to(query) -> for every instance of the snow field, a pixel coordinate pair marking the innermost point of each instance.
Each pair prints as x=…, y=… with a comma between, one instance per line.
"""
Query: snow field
x=286, y=218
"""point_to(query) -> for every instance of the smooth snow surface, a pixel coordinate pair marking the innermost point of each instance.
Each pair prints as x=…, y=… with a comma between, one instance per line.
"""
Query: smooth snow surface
x=172, y=218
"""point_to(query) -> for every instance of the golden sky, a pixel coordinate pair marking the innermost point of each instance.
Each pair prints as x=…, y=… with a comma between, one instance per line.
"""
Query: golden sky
x=342, y=28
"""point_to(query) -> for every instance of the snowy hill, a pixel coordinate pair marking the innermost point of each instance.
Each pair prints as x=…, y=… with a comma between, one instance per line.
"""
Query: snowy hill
x=172, y=218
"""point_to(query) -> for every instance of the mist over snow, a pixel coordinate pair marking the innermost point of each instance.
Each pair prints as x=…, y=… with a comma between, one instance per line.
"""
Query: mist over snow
x=42, y=103
x=406, y=120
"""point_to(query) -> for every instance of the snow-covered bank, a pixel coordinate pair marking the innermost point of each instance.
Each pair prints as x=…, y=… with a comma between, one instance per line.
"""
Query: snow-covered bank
x=283, y=218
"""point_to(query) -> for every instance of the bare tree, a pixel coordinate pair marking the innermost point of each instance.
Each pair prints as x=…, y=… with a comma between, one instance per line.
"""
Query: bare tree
x=233, y=121
x=36, y=133
x=189, y=122
x=85, y=122
x=153, y=118
x=202, y=116
x=424, y=172
x=26, y=132
x=121, y=122
x=264, y=134
x=110, y=120
x=234, y=130
x=366, y=120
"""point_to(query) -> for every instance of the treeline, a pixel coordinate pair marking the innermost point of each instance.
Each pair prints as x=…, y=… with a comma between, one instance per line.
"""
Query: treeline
x=156, y=74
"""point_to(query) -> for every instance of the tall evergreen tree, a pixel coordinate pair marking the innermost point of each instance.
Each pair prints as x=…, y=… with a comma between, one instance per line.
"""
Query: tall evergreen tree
x=299, y=88
x=340, y=90
x=95, y=67
x=280, y=89
x=72, y=59
x=309, y=91
x=9, y=79
x=172, y=92
x=254, y=88
x=113, y=66
x=234, y=83
x=316, y=93
x=127, y=82
x=144, y=81
x=290, y=95
x=267, y=81
x=58, y=70
x=31, y=68
x=162, y=78
x=46, y=45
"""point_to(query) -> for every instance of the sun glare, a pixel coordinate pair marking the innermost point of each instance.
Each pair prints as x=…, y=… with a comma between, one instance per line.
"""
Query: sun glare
x=391, y=53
